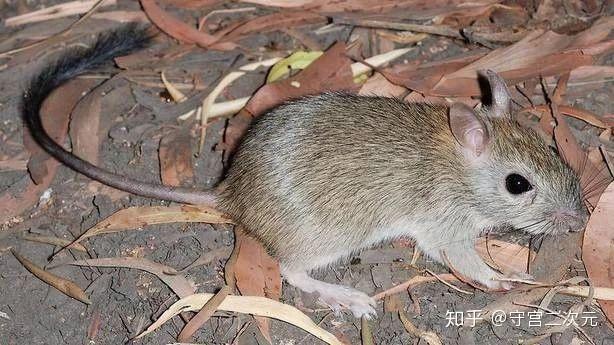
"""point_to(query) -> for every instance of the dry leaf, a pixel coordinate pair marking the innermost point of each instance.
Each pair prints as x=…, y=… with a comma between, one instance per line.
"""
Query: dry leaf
x=65, y=286
x=378, y=85
x=599, y=293
x=424, y=77
x=55, y=114
x=193, y=3
x=409, y=9
x=593, y=176
x=56, y=11
x=85, y=125
x=598, y=247
x=56, y=241
x=256, y=274
x=538, y=54
x=275, y=21
x=329, y=72
x=254, y=305
x=509, y=257
x=180, y=30
x=138, y=217
x=175, y=154
x=178, y=283
x=430, y=337
x=203, y=314
x=366, y=336
x=60, y=102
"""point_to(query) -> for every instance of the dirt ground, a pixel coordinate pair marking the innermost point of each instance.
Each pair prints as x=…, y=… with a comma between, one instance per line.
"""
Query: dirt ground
x=134, y=121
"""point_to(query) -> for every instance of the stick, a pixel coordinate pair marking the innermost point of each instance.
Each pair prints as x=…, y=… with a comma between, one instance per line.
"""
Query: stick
x=358, y=68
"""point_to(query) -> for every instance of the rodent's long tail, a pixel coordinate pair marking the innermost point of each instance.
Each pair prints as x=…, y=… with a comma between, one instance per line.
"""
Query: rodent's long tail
x=107, y=46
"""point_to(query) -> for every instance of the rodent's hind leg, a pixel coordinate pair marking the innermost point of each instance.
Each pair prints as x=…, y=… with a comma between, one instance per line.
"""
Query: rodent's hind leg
x=334, y=296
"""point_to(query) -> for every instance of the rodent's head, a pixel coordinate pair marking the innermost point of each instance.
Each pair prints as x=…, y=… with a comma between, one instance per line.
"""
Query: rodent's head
x=518, y=179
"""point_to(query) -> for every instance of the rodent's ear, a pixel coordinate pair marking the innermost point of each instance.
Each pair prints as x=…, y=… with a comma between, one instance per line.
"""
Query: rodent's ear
x=468, y=129
x=499, y=93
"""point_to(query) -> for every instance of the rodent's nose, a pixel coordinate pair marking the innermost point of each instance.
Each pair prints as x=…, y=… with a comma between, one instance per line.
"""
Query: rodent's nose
x=571, y=220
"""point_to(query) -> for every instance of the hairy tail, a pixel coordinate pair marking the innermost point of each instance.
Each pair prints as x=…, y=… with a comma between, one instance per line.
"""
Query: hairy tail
x=107, y=46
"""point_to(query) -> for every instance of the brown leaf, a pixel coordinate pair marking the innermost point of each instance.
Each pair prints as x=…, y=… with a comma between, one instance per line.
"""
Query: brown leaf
x=508, y=257
x=94, y=326
x=465, y=17
x=593, y=176
x=538, y=54
x=580, y=114
x=55, y=114
x=203, y=315
x=409, y=9
x=84, y=127
x=176, y=168
x=178, y=283
x=331, y=71
x=256, y=274
x=180, y=30
x=424, y=77
x=275, y=21
x=598, y=247
x=56, y=241
x=193, y=3
x=138, y=217
x=65, y=286
x=378, y=85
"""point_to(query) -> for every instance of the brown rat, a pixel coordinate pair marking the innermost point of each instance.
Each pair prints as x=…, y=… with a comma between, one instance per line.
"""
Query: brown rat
x=320, y=178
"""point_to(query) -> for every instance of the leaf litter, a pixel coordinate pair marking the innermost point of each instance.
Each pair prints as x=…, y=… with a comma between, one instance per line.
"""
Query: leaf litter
x=537, y=54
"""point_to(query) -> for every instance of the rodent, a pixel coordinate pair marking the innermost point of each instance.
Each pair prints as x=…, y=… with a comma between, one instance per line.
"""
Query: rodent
x=322, y=177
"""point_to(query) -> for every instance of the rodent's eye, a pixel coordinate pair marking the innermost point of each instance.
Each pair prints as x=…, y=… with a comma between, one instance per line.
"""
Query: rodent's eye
x=517, y=184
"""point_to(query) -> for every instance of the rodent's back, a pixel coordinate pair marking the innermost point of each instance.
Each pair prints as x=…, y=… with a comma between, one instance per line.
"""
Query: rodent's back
x=334, y=167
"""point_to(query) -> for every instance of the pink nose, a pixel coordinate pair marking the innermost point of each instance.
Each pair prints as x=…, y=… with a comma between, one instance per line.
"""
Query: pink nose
x=570, y=220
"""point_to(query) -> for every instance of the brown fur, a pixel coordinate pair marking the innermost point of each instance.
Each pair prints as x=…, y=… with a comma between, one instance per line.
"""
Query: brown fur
x=322, y=177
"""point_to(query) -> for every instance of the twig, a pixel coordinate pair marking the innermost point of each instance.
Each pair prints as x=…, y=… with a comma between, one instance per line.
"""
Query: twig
x=232, y=107
x=486, y=38
x=441, y=30
x=483, y=38
x=448, y=284
x=417, y=280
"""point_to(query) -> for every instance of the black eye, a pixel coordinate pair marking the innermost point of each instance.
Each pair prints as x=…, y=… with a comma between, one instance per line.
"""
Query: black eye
x=516, y=184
